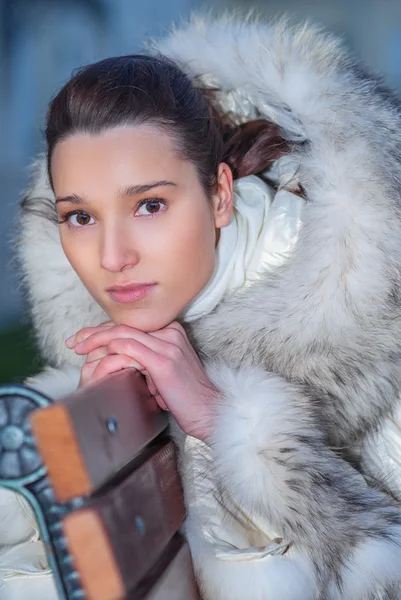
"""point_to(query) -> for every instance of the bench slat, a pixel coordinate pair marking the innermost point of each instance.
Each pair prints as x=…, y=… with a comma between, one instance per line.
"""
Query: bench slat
x=85, y=439
x=124, y=531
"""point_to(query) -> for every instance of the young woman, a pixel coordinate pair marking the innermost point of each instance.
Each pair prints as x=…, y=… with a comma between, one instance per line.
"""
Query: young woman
x=231, y=227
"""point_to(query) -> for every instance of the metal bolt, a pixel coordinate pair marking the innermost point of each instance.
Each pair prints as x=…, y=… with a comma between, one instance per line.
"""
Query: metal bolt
x=112, y=425
x=140, y=525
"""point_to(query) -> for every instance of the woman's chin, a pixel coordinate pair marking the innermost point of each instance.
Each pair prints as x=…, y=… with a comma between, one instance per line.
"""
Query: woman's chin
x=146, y=320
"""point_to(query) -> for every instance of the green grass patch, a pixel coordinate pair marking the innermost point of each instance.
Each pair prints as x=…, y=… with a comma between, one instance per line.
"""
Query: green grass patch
x=19, y=357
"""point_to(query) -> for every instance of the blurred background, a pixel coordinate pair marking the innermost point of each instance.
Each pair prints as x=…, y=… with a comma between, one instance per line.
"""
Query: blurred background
x=42, y=41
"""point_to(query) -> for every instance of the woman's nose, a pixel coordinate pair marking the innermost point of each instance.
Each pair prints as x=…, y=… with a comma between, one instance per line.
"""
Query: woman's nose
x=118, y=251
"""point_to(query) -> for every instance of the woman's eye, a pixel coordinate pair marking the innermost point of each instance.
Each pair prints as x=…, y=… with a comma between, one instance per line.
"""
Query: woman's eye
x=79, y=219
x=150, y=207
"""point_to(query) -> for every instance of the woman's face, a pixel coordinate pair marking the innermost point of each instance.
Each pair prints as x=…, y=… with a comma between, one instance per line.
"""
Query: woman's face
x=131, y=213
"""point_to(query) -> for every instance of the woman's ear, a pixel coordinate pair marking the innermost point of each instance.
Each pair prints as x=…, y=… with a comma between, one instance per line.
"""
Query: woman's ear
x=223, y=198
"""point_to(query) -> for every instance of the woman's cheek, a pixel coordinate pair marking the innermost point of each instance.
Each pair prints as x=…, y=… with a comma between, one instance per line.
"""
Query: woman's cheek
x=81, y=252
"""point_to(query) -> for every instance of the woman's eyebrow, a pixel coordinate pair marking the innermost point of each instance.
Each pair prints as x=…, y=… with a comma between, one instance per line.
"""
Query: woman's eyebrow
x=135, y=190
x=73, y=198
x=131, y=190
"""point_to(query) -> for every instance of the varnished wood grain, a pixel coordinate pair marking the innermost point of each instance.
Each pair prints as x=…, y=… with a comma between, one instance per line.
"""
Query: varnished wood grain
x=138, y=517
x=64, y=460
x=93, y=556
x=80, y=449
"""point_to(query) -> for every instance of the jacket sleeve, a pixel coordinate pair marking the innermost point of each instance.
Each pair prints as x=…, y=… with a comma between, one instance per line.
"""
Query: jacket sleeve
x=234, y=551
x=270, y=456
x=24, y=572
x=248, y=573
x=55, y=382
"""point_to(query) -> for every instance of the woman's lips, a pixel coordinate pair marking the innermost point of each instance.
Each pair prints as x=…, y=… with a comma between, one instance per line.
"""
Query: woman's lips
x=133, y=294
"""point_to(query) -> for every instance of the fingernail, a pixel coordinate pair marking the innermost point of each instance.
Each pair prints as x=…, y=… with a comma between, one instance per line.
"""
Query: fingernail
x=69, y=342
x=79, y=346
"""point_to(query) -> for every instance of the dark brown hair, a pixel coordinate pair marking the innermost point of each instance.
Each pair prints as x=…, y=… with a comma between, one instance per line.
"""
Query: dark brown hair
x=139, y=90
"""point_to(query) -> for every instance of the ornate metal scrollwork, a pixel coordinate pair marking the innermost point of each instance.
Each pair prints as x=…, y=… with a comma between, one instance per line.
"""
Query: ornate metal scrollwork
x=20, y=461
x=22, y=470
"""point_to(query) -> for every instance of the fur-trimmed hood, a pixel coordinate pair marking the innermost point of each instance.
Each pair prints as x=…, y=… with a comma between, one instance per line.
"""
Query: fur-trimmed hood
x=322, y=334
x=262, y=70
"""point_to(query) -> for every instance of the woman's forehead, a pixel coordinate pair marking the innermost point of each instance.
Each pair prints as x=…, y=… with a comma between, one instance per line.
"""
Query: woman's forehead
x=145, y=153
x=122, y=162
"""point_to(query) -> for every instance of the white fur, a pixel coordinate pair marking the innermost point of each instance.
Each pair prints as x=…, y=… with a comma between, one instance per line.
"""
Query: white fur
x=373, y=564
x=250, y=425
x=55, y=383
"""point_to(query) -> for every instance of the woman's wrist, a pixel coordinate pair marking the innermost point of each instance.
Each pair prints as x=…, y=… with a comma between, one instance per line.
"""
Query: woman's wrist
x=203, y=429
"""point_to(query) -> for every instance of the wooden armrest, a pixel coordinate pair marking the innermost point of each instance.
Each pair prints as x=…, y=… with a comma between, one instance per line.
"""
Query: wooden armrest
x=86, y=439
x=105, y=488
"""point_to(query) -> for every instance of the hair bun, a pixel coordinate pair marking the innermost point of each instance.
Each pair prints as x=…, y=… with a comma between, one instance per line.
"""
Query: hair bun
x=250, y=148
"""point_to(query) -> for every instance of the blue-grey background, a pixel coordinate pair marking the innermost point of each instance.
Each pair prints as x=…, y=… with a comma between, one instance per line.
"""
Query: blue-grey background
x=42, y=41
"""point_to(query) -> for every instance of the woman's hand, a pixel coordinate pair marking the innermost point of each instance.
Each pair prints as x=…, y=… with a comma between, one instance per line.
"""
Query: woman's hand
x=173, y=370
x=93, y=358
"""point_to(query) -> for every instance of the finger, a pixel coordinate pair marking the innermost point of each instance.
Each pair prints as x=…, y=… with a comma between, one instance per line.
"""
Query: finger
x=176, y=338
x=86, y=372
x=173, y=333
x=103, y=338
x=111, y=364
x=90, y=364
x=161, y=402
x=151, y=385
x=148, y=360
x=83, y=334
x=97, y=353
x=176, y=325
x=154, y=391
x=103, y=351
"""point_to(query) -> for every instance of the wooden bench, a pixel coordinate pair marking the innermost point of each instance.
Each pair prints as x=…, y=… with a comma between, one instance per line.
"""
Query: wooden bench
x=100, y=471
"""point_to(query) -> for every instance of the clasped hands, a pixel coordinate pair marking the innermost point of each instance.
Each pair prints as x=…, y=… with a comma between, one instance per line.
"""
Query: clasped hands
x=174, y=373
